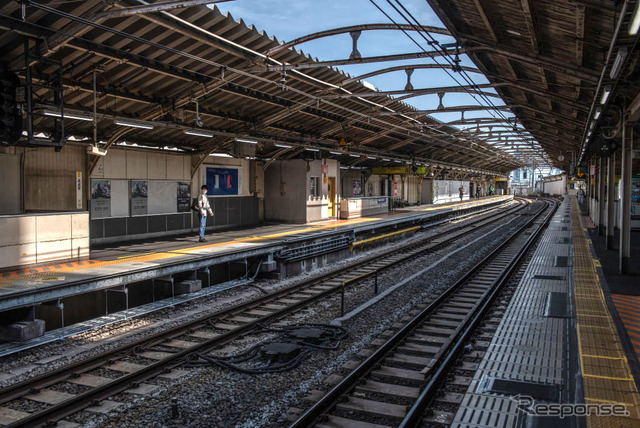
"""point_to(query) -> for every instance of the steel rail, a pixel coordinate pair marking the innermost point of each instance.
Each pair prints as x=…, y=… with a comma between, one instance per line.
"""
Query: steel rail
x=322, y=406
x=80, y=401
x=448, y=359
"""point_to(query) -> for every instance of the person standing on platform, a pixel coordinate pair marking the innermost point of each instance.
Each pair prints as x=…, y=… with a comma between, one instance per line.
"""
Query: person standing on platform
x=203, y=207
x=491, y=190
x=461, y=191
x=478, y=191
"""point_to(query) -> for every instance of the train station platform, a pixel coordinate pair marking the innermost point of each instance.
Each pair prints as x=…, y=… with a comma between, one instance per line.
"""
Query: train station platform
x=116, y=265
x=559, y=356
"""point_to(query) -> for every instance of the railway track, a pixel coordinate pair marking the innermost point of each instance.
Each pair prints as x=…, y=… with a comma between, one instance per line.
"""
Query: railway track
x=398, y=381
x=166, y=352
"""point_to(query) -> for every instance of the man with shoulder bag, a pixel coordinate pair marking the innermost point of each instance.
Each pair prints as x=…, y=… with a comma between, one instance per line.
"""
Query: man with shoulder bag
x=201, y=205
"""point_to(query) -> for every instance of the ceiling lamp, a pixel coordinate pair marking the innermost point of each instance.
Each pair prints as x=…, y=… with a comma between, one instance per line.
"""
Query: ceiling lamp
x=246, y=140
x=635, y=22
x=605, y=94
x=598, y=112
x=67, y=115
x=284, y=146
x=198, y=133
x=617, y=63
x=132, y=124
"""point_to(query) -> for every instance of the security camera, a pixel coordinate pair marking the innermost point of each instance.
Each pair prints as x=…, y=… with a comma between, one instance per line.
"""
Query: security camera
x=96, y=151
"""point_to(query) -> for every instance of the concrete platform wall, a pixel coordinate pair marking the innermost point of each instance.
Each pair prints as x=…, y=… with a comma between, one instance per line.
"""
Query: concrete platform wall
x=165, y=171
x=447, y=191
x=39, y=238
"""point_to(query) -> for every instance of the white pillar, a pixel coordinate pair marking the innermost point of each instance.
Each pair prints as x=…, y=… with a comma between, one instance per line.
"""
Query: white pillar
x=625, y=199
x=611, y=200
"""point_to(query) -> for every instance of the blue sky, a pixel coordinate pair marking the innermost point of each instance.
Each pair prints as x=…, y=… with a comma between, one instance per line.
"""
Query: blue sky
x=288, y=20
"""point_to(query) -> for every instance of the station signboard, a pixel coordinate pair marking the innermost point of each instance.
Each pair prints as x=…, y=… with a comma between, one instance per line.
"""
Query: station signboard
x=387, y=170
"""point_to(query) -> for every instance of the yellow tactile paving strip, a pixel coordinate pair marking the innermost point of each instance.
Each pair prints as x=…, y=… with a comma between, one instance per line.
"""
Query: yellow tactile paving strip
x=605, y=370
x=55, y=270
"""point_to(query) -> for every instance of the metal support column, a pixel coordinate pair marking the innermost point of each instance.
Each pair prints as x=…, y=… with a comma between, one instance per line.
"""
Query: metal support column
x=611, y=201
x=625, y=198
x=601, y=204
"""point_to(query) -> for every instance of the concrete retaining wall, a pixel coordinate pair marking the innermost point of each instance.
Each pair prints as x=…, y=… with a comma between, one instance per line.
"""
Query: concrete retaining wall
x=39, y=238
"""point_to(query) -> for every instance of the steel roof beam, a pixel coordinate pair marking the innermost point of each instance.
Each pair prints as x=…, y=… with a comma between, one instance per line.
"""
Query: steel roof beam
x=488, y=25
x=474, y=108
x=406, y=67
x=462, y=88
x=538, y=60
x=60, y=38
x=352, y=28
x=155, y=7
x=529, y=19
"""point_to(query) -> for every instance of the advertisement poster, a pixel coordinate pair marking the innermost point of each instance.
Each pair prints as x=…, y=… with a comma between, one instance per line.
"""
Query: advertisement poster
x=184, y=197
x=635, y=198
x=139, y=197
x=357, y=187
x=100, y=198
x=223, y=182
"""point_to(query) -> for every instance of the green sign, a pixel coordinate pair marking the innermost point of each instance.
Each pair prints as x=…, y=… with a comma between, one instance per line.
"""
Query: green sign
x=386, y=170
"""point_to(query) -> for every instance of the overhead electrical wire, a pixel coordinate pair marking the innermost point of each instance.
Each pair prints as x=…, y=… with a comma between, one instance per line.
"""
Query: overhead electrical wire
x=419, y=28
x=178, y=52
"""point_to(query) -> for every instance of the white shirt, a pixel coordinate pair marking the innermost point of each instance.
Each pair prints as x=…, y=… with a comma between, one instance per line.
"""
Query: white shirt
x=203, y=203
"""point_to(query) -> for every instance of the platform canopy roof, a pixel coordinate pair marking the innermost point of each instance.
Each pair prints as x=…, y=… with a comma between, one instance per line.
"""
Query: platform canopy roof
x=574, y=64
x=178, y=75
x=186, y=78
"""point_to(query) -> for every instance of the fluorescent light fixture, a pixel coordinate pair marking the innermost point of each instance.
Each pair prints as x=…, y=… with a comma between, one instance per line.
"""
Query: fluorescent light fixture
x=515, y=33
x=617, y=63
x=598, y=112
x=125, y=122
x=198, y=133
x=605, y=94
x=284, y=146
x=397, y=161
x=372, y=157
x=635, y=22
x=68, y=115
x=353, y=155
x=385, y=160
x=246, y=140
x=220, y=155
x=311, y=150
x=335, y=153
